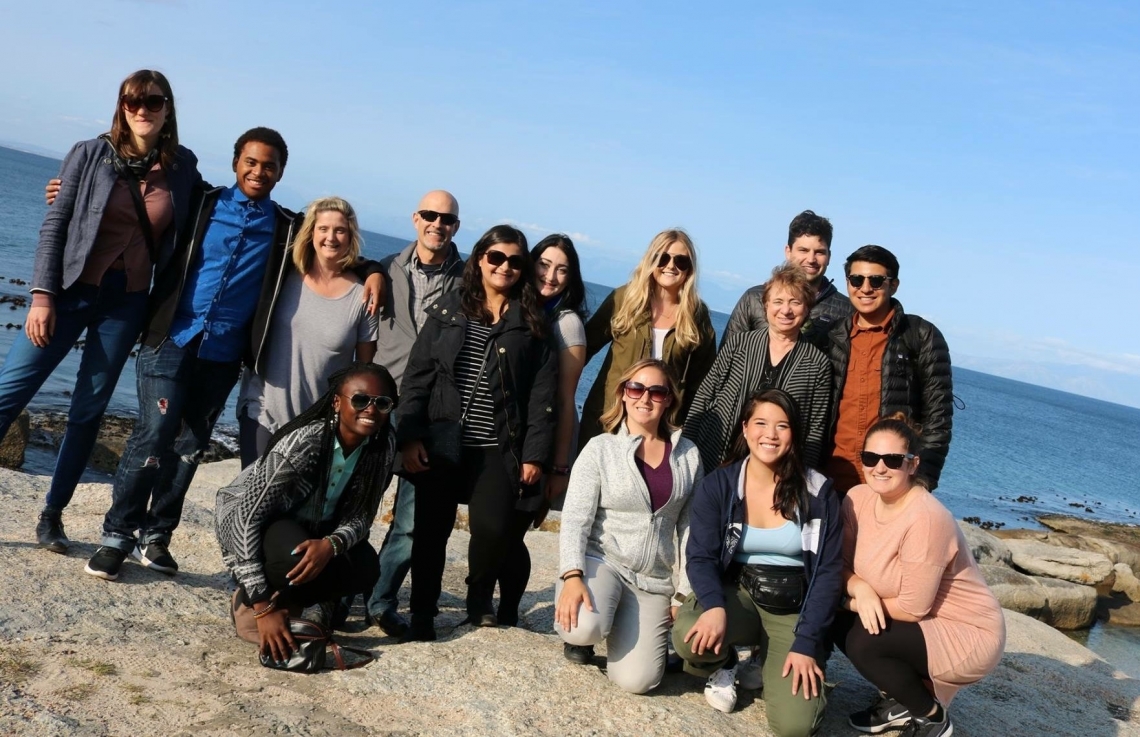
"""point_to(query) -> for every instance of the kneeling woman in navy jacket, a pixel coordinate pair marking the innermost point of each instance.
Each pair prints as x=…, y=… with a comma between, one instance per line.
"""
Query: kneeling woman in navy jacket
x=764, y=560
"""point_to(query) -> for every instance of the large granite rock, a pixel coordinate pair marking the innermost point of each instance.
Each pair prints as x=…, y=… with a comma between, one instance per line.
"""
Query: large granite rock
x=1116, y=550
x=1126, y=582
x=1118, y=609
x=986, y=549
x=1127, y=534
x=13, y=444
x=1062, y=604
x=1078, y=566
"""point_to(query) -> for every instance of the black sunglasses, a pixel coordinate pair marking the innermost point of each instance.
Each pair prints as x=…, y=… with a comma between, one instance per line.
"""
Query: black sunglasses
x=444, y=217
x=360, y=402
x=681, y=261
x=893, y=461
x=153, y=103
x=657, y=393
x=877, y=280
x=498, y=258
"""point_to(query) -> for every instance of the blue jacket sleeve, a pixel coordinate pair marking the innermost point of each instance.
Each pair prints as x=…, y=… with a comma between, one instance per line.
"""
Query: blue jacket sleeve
x=706, y=532
x=827, y=587
x=47, y=272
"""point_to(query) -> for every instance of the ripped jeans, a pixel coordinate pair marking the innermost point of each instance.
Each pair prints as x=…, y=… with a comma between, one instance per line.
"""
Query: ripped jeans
x=180, y=399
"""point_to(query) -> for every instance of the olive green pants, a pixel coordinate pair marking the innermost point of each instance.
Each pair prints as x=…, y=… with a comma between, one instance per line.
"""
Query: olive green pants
x=750, y=626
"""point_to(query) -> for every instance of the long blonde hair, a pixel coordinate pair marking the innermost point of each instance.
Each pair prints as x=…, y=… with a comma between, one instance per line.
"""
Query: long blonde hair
x=615, y=414
x=636, y=307
x=303, y=249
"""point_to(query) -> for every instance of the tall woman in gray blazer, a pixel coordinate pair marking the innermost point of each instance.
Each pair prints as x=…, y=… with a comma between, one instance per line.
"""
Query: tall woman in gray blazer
x=123, y=198
x=625, y=517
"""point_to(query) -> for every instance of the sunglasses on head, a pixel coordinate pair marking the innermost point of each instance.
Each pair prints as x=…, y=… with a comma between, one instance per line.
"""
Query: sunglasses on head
x=498, y=258
x=657, y=393
x=360, y=402
x=877, y=280
x=893, y=461
x=445, y=218
x=153, y=103
x=681, y=261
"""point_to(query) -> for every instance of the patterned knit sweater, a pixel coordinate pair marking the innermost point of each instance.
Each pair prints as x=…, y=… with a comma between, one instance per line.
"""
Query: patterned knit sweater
x=277, y=485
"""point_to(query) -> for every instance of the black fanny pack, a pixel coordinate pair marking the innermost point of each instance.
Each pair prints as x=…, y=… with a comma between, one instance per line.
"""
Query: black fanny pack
x=775, y=589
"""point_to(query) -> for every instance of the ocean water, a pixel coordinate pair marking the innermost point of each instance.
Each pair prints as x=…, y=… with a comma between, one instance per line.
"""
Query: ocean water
x=1018, y=450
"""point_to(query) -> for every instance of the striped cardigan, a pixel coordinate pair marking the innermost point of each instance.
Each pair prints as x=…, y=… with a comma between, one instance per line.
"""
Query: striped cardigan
x=805, y=374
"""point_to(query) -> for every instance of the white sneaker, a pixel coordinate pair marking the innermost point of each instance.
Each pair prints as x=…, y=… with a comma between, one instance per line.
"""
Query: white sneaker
x=720, y=690
x=750, y=673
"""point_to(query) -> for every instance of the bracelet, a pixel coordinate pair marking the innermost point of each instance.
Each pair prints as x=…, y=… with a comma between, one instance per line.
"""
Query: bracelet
x=571, y=574
x=336, y=544
x=272, y=606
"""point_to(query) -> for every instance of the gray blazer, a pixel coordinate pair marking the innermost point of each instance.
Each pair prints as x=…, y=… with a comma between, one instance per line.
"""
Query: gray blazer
x=72, y=222
x=397, y=329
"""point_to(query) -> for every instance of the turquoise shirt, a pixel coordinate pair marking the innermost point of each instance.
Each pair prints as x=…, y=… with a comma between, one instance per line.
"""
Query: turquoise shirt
x=340, y=471
x=778, y=546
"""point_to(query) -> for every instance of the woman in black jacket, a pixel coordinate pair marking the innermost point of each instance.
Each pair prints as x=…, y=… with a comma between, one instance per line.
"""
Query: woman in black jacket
x=476, y=425
x=764, y=560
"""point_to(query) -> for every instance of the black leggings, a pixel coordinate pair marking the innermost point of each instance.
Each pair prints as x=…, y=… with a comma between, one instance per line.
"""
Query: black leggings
x=893, y=660
x=348, y=574
x=481, y=482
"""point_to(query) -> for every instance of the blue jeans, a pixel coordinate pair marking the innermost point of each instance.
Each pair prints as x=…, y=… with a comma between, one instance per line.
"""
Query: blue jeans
x=396, y=552
x=180, y=398
x=113, y=319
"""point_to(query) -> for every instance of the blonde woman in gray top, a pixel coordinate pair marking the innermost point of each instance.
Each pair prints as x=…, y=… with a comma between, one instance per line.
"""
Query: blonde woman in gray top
x=625, y=520
x=320, y=325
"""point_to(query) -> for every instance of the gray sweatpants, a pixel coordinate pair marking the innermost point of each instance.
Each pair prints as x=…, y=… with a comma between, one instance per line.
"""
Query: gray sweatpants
x=635, y=625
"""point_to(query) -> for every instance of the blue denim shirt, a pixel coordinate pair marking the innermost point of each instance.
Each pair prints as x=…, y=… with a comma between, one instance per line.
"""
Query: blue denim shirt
x=224, y=285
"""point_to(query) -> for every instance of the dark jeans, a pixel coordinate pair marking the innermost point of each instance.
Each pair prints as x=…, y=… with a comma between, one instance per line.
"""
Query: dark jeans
x=113, y=318
x=348, y=574
x=894, y=660
x=482, y=483
x=253, y=439
x=395, y=552
x=180, y=399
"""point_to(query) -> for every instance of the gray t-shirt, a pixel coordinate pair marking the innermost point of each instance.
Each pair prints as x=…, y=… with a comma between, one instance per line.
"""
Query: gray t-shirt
x=569, y=330
x=310, y=338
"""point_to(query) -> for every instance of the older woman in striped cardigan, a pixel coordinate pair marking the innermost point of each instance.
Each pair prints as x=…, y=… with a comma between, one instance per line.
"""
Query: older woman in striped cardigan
x=772, y=357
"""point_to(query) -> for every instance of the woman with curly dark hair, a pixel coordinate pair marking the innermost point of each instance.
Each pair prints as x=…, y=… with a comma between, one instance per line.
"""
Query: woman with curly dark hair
x=477, y=424
x=293, y=527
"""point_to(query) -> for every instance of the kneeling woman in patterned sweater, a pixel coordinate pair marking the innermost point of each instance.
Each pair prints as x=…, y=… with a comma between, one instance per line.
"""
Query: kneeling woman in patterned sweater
x=625, y=517
x=293, y=527
x=765, y=562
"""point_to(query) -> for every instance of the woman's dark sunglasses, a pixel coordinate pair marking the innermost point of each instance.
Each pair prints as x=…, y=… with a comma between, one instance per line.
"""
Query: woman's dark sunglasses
x=498, y=258
x=444, y=217
x=360, y=402
x=893, y=461
x=635, y=391
x=153, y=103
x=681, y=261
x=877, y=280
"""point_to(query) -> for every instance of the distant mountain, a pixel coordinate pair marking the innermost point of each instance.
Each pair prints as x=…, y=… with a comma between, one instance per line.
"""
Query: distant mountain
x=34, y=150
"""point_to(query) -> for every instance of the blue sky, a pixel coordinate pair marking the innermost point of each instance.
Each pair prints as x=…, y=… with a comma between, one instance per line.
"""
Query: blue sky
x=992, y=146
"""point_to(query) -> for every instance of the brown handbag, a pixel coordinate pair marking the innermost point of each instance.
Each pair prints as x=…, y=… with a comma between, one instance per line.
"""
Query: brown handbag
x=312, y=641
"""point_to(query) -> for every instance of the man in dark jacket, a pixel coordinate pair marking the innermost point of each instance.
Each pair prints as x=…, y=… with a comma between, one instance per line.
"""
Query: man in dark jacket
x=886, y=362
x=809, y=247
x=415, y=278
x=210, y=311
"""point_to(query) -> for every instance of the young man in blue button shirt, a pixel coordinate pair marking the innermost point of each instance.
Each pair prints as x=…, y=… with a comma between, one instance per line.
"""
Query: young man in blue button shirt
x=209, y=310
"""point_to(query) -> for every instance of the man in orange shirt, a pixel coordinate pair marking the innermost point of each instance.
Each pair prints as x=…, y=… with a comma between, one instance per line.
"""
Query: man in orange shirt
x=886, y=361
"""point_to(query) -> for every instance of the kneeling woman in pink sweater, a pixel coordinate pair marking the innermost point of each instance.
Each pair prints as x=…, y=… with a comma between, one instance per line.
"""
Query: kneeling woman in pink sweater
x=919, y=617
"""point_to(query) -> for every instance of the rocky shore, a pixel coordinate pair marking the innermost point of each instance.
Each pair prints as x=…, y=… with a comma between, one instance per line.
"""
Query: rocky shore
x=151, y=654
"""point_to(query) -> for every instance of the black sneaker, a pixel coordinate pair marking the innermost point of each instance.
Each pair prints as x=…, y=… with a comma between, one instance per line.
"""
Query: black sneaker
x=422, y=629
x=884, y=713
x=390, y=622
x=580, y=654
x=49, y=532
x=156, y=557
x=927, y=727
x=106, y=562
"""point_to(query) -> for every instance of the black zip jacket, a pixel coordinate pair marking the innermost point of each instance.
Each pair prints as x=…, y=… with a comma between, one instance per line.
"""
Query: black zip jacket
x=522, y=371
x=168, y=284
x=916, y=380
x=716, y=521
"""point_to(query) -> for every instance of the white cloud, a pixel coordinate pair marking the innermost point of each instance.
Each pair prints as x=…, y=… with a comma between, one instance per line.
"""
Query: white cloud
x=1011, y=346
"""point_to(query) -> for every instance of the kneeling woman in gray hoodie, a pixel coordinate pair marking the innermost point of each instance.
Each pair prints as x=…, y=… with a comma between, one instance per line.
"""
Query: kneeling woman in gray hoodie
x=625, y=518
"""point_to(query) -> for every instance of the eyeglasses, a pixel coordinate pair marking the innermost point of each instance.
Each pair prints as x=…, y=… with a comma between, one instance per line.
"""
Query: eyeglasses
x=877, y=280
x=681, y=261
x=657, y=393
x=360, y=402
x=498, y=258
x=446, y=218
x=153, y=103
x=893, y=461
